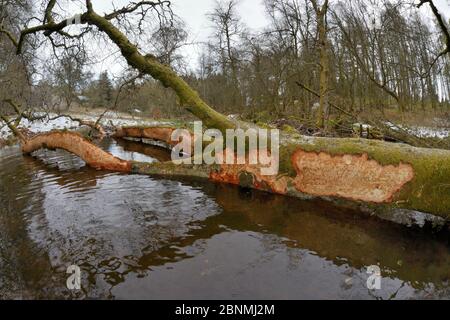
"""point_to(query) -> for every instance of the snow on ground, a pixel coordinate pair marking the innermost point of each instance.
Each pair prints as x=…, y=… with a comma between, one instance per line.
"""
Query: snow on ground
x=117, y=119
x=41, y=126
x=121, y=119
x=426, y=132
x=423, y=132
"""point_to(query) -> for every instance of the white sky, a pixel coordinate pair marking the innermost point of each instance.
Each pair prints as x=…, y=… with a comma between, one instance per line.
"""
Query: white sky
x=252, y=13
x=194, y=13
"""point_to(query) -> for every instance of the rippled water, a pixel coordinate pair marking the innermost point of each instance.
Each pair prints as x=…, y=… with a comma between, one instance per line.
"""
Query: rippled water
x=140, y=237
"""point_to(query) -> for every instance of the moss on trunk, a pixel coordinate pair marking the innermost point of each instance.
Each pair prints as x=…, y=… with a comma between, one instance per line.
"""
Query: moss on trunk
x=428, y=190
x=387, y=175
x=188, y=97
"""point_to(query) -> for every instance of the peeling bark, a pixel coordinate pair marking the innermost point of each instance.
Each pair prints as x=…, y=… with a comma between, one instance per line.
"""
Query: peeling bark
x=162, y=134
x=421, y=177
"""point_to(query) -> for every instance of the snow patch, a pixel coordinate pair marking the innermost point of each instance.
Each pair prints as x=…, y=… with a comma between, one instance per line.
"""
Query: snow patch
x=61, y=123
x=423, y=132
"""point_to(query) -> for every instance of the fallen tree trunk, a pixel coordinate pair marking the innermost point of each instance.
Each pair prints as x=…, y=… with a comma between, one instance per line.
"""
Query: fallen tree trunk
x=369, y=171
x=373, y=173
x=159, y=133
x=361, y=173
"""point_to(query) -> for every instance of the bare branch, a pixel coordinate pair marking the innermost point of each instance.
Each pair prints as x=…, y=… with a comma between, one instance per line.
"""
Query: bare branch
x=442, y=25
x=135, y=6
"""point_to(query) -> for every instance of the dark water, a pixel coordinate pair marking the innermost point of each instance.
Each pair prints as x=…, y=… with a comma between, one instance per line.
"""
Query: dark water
x=139, y=237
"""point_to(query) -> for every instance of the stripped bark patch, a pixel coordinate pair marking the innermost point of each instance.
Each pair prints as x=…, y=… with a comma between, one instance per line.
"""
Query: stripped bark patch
x=73, y=142
x=353, y=177
x=163, y=134
x=247, y=175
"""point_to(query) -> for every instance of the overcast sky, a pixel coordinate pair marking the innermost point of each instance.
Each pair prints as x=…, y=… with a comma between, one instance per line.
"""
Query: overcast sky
x=251, y=12
x=194, y=13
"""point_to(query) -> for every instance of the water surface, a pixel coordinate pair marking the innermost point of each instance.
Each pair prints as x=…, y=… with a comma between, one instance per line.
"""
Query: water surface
x=139, y=237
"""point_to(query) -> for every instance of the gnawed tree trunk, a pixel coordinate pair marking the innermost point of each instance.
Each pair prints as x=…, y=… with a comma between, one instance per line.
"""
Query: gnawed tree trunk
x=75, y=143
x=367, y=172
x=162, y=134
x=361, y=173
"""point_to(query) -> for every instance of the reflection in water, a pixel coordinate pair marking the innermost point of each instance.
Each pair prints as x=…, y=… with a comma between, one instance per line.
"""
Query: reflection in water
x=152, y=151
x=139, y=237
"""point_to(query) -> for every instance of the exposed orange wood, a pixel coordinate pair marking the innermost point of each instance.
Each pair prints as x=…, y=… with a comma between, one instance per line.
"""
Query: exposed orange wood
x=78, y=145
x=353, y=177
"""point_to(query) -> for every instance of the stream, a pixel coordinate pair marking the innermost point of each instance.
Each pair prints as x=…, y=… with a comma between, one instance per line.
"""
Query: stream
x=136, y=236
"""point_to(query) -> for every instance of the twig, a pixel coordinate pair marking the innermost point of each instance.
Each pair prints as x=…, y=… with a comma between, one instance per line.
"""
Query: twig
x=318, y=95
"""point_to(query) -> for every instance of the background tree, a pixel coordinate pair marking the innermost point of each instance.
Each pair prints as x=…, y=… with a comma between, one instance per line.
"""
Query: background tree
x=15, y=71
x=321, y=11
x=70, y=76
x=227, y=31
x=167, y=42
x=100, y=93
x=382, y=58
